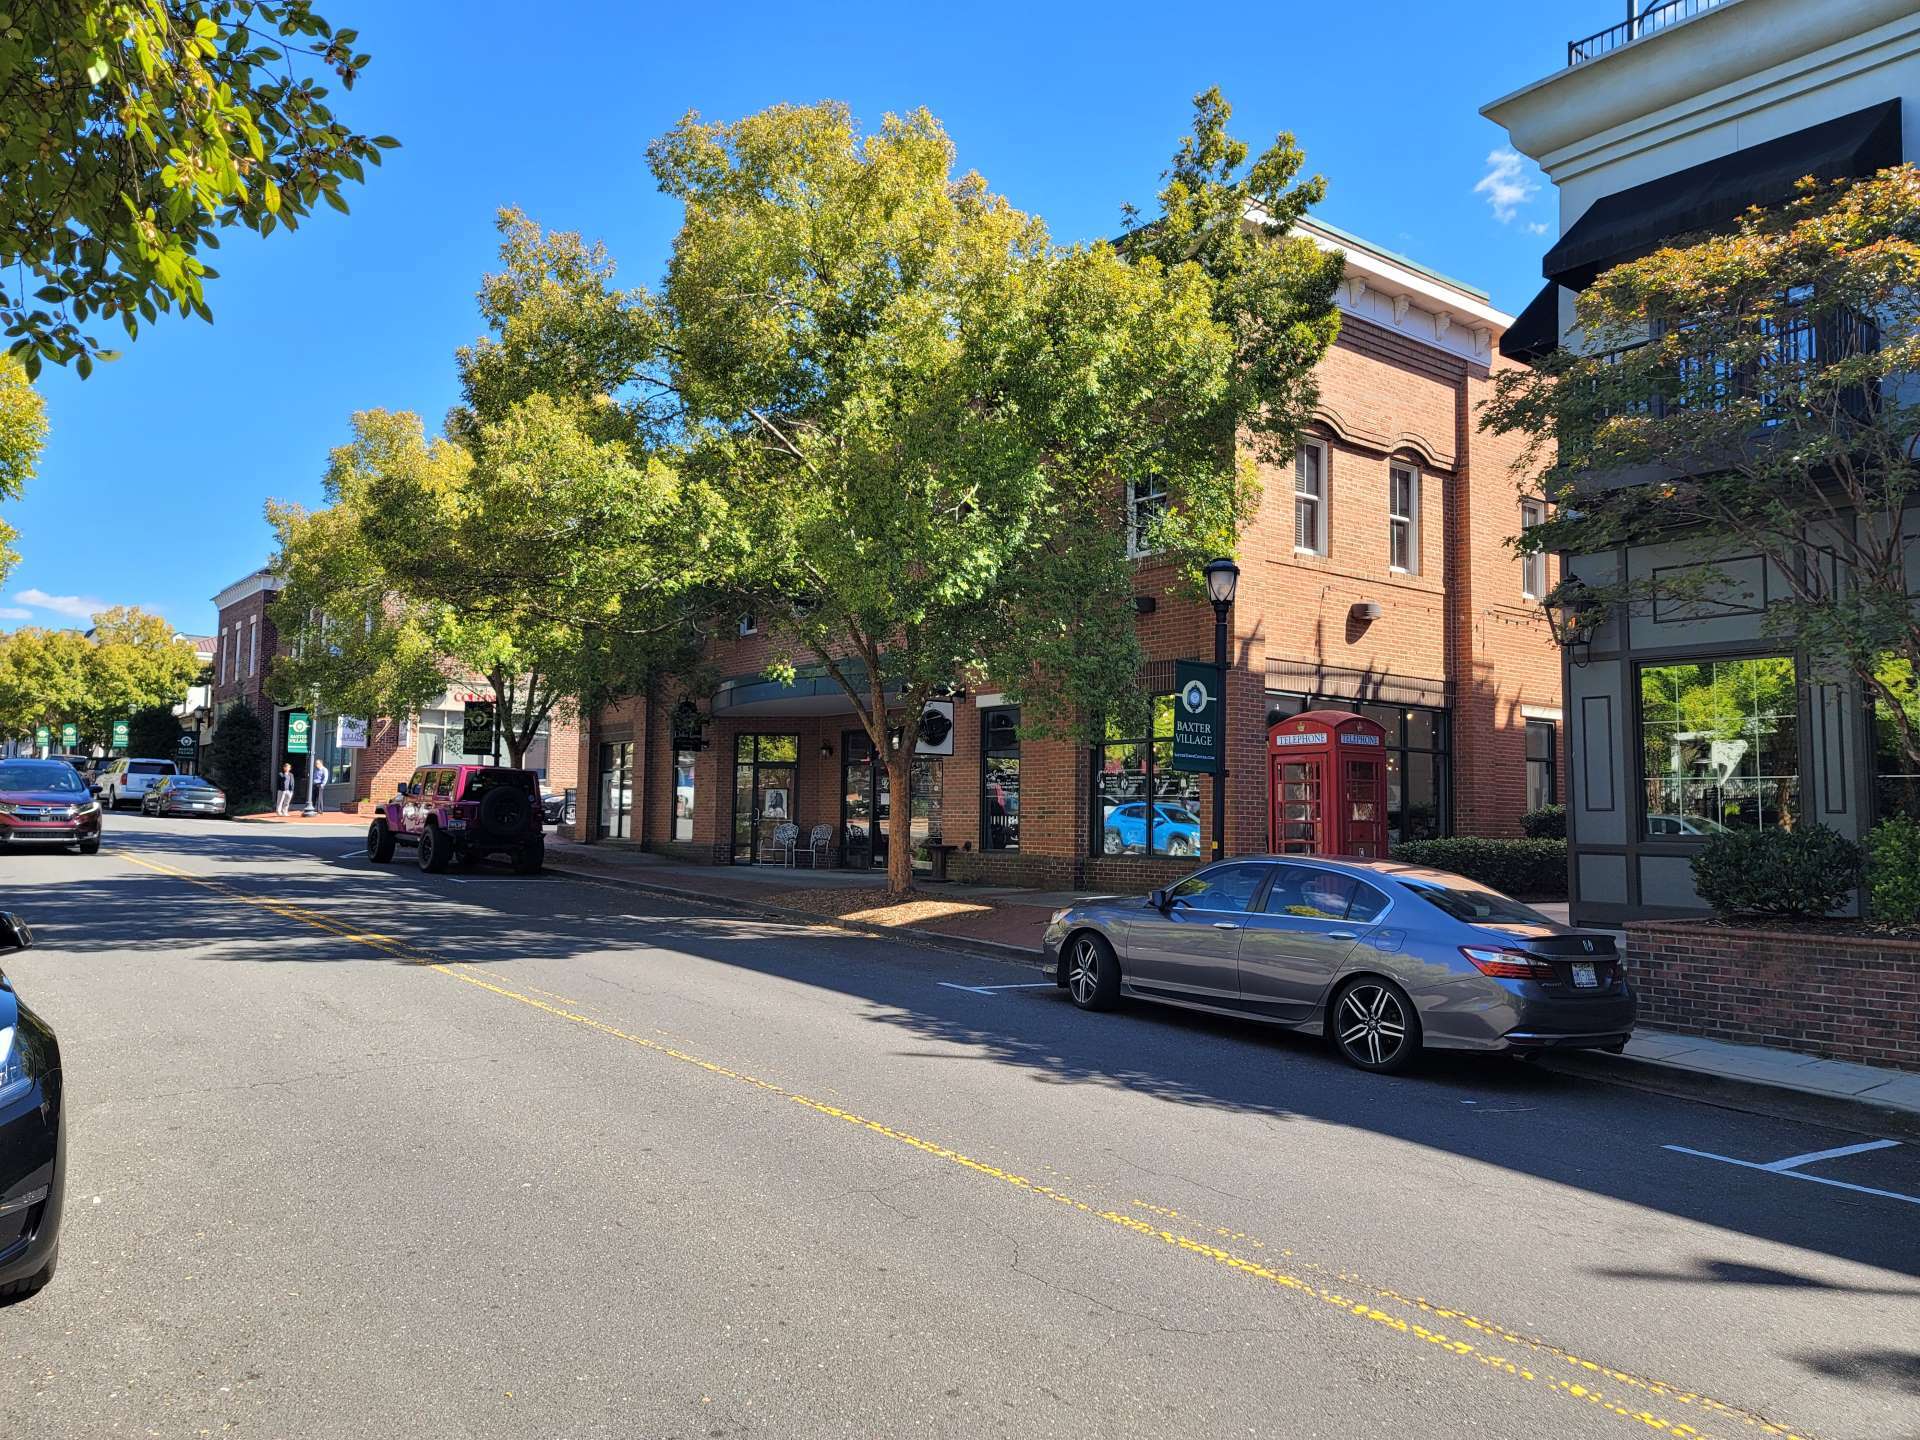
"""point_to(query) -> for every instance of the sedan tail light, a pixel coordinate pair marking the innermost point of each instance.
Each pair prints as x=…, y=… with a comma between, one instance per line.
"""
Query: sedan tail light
x=1507, y=964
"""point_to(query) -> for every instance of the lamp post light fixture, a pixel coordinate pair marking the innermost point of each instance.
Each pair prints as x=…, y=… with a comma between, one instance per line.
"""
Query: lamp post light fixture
x=1573, y=612
x=1223, y=579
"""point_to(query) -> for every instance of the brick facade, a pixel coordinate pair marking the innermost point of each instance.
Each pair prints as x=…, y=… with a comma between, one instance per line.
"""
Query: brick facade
x=1847, y=997
x=1454, y=633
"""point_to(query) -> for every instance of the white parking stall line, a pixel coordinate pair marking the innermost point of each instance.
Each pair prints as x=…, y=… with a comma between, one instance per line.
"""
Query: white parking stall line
x=1794, y=1162
x=1774, y=1169
x=989, y=989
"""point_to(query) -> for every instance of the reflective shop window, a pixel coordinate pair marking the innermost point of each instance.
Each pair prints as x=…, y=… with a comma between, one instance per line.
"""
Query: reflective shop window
x=1142, y=805
x=1720, y=746
x=1000, y=778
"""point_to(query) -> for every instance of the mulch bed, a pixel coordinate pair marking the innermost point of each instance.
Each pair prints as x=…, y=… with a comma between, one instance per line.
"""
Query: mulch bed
x=873, y=907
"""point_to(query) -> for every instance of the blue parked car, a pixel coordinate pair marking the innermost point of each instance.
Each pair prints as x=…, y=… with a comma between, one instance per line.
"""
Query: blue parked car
x=1176, y=830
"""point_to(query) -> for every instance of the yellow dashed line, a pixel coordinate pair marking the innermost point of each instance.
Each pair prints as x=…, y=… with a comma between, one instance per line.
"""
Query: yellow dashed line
x=1534, y=1350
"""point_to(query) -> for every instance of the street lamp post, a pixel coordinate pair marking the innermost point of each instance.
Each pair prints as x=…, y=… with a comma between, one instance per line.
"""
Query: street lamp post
x=313, y=751
x=1223, y=578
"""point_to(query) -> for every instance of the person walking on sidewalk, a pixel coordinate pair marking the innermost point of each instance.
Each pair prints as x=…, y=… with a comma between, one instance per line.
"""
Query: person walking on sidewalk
x=283, y=801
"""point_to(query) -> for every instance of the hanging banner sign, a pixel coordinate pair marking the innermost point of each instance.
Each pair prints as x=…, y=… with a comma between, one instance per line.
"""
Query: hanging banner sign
x=119, y=734
x=69, y=735
x=1197, y=716
x=476, y=727
x=349, y=733
x=299, y=732
x=935, y=736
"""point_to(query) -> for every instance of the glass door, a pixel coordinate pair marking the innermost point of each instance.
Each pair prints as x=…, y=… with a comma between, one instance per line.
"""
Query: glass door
x=856, y=800
x=764, y=771
x=866, y=806
x=616, y=790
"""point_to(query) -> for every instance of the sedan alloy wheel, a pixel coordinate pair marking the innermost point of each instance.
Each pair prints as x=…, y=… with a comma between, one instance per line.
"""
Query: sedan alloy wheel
x=1093, y=975
x=1374, y=1025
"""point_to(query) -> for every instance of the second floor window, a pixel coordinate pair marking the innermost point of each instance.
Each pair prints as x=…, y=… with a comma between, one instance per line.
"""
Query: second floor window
x=1146, y=502
x=1533, y=568
x=749, y=623
x=253, y=648
x=1310, y=498
x=1403, y=518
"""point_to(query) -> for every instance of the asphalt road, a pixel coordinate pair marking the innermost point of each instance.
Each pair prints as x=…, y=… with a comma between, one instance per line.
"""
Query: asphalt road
x=360, y=1151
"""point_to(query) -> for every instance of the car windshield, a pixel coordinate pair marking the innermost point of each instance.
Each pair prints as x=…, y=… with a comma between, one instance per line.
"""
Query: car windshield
x=150, y=767
x=44, y=776
x=1475, y=906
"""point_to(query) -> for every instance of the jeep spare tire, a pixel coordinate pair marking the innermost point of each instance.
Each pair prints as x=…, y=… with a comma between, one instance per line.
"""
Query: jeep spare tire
x=504, y=810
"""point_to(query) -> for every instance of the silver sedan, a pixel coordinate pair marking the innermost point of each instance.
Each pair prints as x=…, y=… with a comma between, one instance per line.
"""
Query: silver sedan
x=1383, y=958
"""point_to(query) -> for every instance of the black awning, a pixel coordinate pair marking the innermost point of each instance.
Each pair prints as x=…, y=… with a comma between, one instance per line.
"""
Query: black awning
x=1635, y=222
x=1535, y=330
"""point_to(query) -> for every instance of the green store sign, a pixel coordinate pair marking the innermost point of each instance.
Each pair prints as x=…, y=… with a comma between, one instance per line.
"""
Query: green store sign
x=119, y=734
x=69, y=735
x=299, y=732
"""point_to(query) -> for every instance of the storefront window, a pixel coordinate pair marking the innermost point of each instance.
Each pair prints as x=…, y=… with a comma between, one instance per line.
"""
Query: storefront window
x=616, y=789
x=1419, y=790
x=1143, y=806
x=1542, y=770
x=1721, y=746
x=1896, y=789
x=1000, y=778
x=683, y=792
x=440, y=734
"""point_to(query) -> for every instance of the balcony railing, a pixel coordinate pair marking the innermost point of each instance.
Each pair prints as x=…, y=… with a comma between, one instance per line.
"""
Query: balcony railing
x=1653, y=18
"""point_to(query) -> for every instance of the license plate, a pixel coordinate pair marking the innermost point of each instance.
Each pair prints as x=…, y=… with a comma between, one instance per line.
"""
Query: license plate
x=1585, y=978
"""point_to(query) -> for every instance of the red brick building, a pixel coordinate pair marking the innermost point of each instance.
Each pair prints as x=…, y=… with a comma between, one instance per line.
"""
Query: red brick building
x=245, y=643
x=1374, y=576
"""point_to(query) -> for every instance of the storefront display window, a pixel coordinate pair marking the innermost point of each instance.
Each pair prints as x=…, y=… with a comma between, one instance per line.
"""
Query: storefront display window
x=1000, y=778
x=765, y=768
x=684, y=759
x=1142, y=806
x=1720, y=746
x=616, y=790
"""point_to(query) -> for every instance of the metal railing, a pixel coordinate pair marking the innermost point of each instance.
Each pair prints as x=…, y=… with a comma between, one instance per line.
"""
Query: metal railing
x=1653, y=18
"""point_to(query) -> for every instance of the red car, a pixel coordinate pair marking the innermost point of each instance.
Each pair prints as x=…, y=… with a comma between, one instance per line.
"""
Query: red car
x=46, y=802
x=463, y=813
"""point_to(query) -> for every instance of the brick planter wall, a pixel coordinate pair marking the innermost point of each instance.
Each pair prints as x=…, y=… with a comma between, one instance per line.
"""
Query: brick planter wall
x=1847, y=997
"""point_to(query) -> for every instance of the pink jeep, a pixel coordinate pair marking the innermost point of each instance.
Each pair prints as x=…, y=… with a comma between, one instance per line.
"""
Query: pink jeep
x=464, y=813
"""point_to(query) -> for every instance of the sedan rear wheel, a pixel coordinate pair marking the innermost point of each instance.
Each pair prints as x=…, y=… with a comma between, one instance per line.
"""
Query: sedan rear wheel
x=1374, y=1025
x=1093, y=974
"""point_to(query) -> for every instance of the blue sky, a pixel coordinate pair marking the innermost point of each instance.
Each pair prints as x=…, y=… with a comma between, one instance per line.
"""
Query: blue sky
x=156, y=469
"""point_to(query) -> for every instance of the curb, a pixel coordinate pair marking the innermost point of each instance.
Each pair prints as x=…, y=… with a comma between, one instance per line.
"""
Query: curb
x=1760, y=1097
x=926, y=939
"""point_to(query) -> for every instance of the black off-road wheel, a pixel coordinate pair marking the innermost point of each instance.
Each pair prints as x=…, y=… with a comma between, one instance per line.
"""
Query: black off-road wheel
x=528, y=859
x=379, y=842
x=434, y=852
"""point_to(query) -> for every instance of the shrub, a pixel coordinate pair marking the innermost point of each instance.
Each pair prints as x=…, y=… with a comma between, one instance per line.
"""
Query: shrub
x=1893, y=872
x=1536, y=868
x=1549, y=822
x=1793, y=873
x=237, y=758
x=154, y=731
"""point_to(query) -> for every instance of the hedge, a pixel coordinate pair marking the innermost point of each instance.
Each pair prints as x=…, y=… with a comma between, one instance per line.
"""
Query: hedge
x=1535, y=869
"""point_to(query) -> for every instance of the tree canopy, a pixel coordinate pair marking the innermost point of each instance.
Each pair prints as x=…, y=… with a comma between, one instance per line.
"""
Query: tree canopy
x=52, y=677
x=918, y=412
x=1749, y=393
x=23, y=431
x=133, y=131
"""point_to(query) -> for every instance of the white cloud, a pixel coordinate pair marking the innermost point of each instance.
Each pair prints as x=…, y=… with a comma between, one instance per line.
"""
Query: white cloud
x=1506, y=184
x=14, y=612
x=1539, y=227
x=79, y=607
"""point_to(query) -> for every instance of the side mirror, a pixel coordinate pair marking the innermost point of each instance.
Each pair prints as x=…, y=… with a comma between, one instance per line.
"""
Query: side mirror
x=1158, y=900
x=14, y=934
x=95, y=789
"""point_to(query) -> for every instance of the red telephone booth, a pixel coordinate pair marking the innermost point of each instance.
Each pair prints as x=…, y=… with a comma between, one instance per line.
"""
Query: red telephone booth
x=1327, y=785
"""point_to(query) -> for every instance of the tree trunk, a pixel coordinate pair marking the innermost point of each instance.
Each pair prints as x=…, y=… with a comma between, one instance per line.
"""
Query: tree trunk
x=900, y=817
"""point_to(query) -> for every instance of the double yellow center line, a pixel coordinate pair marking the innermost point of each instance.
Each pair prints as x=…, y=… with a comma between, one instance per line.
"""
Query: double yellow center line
x=1646, y=1403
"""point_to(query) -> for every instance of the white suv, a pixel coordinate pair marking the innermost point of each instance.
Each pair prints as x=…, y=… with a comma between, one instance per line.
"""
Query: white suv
x=124, y=782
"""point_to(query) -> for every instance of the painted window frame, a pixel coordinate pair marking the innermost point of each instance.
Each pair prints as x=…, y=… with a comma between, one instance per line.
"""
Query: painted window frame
x=1533, y=567
x=1322, y=501
x=1407, y=521
x=1549, y=763
x=988, y=754
x=1147, y=504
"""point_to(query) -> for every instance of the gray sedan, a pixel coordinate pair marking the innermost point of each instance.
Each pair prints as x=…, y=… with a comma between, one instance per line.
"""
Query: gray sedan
x=1383, y=958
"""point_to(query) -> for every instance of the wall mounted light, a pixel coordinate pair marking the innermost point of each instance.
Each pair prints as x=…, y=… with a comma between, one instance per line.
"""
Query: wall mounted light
x=1367, y=611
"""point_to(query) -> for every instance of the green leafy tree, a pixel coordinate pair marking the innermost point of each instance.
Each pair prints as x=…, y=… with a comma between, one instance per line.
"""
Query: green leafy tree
x=916, y=412
x=237, y=757
x=1749, y=392
x=132, y=132
x=153, y=730
x=547, y=551
x=23, y=432
x=135, y=662
x=46, y=678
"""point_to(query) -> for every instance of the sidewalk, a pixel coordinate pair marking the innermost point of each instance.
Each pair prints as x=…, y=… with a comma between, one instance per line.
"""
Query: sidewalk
x=294, y=817
x=1008, y=922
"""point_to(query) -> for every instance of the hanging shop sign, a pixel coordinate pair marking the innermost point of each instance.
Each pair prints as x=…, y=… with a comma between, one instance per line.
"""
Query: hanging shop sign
x=1197, y=718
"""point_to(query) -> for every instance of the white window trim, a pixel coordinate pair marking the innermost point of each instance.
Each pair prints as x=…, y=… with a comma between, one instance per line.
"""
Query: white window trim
x=1411, y=518
x=749, y=624
x=1135, y=550
x=226, y=657
x=1530, y=588
x=1322, y=505
x=253, y=648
